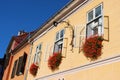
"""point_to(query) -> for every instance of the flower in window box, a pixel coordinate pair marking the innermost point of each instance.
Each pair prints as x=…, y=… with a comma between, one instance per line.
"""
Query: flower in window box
x=92, y=47
x=33, y=69
x=54, y=61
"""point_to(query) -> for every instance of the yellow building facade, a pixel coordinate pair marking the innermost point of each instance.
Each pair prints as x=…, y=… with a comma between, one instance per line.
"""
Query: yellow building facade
x=77, y=21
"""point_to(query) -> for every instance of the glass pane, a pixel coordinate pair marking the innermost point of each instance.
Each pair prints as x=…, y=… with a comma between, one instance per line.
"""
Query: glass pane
x=60, y=48
x=89, y=30
x=57, y=36
x=35, y=58
x=100, y=21
x=37, y=49
x=98, y=11
x=90, y=15
x=40, y=47
x=56, y=48
x=95, y=31
x=61, y=33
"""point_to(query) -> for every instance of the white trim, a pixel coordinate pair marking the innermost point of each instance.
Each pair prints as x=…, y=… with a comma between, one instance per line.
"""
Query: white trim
x=46, y=53
x=93, y=9
x=82, y=36
x=59, y=33
x=92, y=23
x=106, y=61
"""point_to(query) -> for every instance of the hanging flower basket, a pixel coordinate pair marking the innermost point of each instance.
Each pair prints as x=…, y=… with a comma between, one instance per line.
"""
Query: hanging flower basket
x=54, y=61
x=92, y=47
x=33, y=69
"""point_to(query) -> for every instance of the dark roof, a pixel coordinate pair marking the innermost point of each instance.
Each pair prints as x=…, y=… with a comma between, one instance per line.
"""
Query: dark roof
x=19, y=39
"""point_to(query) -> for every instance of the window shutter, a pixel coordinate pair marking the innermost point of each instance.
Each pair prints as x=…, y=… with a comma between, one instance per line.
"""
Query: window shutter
x=14, y=69
x=51, y=49
x=82, y=37
x=75, y=36
x=46, y=52
x=106, y=28
x=64, y=50
x=21, y=64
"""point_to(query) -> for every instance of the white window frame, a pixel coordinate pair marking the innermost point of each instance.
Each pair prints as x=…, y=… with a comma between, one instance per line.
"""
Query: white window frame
x=94, y=13
x=59, y=38
x=100, y=27
x=37, y=55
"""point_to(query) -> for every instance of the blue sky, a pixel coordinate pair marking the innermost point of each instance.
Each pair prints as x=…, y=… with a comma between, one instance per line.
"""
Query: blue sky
x=25, y=15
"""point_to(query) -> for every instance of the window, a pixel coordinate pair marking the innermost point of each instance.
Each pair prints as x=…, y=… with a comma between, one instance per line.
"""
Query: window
x=14, y=69
x=59, y=41
x=21, y=64
x=38, y=48
x=95, y=21
x=61, y=33
x=90, y=15
x=37, y=54
x=98, y=11
x=57, y=36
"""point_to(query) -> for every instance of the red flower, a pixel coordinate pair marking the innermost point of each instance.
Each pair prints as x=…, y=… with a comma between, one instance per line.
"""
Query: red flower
x=54, y=61
x=33, y=69
x=92, y=47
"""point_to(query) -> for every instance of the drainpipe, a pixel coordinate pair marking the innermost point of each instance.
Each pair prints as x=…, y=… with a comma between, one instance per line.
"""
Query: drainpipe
x=27, y=67
x=29, y=58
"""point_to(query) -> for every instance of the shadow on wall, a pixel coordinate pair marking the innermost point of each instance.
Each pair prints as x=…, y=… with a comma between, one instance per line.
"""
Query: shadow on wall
x=106, y=29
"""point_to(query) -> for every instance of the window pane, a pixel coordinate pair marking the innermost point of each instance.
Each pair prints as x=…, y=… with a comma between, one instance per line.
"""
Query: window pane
x=100, y=21
x=60, y=48
x=61, y=33
x=89, y=30
x=98, y=11
x=40, y=47
x=37, y=49
x=95, y=30
x=90, y=15
x=56, y=48
x=57, y=36
x=35, y=58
